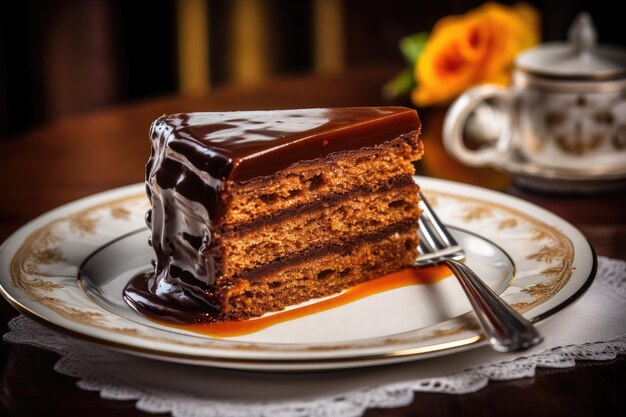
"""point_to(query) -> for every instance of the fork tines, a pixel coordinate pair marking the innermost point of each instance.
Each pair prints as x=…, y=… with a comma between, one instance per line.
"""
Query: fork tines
x=435, y=239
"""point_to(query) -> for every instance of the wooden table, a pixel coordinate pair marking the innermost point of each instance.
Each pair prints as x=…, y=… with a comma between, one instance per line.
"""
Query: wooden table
x=74, y=158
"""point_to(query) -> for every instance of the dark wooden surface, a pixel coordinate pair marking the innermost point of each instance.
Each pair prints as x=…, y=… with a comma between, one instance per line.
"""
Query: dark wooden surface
x=74, y=158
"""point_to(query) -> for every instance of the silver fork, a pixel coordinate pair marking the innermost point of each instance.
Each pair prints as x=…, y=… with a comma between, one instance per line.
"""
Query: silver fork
x=505, y=328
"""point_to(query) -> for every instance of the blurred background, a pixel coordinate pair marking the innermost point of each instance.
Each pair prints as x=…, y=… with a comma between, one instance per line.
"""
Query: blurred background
x=66, y=57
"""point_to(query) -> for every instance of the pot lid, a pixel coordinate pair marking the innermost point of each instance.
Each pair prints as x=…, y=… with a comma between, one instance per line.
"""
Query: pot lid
x=579, y=57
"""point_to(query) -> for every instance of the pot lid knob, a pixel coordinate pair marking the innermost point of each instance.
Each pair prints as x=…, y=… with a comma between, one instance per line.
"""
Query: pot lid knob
x=582, y=34
x=578, y=58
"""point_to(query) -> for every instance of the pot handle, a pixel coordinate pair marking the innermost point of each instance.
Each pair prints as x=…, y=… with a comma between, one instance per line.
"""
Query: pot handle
x=456, y=119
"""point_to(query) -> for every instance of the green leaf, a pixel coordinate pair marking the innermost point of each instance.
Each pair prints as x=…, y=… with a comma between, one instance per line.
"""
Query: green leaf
x=399, y=85
x=412, y=46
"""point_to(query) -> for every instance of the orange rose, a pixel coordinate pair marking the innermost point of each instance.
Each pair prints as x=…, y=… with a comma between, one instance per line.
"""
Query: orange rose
x=478, y=47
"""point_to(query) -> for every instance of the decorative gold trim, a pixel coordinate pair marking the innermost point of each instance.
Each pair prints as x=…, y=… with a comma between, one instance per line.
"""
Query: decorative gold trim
x=560, y=249
x=42, y=247
x=507, y=224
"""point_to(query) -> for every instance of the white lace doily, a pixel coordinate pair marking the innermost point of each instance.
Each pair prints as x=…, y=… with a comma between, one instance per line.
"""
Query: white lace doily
x=188, y=391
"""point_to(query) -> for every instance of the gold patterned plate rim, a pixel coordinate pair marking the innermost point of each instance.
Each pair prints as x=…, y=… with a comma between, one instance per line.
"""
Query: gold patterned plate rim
x=38, y=275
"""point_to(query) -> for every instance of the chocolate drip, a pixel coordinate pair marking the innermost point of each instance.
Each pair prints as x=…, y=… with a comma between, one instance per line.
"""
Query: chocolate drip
x=172, y=306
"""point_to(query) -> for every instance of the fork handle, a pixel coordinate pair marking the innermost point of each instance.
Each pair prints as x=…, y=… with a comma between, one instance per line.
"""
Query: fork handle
x=505, y=328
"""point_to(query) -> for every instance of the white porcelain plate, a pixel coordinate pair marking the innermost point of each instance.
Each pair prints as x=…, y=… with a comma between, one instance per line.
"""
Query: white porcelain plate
x=68, y=267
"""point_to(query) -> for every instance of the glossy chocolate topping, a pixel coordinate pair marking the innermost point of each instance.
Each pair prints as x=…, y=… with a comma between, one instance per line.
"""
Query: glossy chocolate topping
x=195, y=156
x=240, y=146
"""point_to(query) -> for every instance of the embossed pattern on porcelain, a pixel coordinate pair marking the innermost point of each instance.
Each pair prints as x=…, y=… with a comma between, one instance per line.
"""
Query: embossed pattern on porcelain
x=573, y=130
x=566, y=111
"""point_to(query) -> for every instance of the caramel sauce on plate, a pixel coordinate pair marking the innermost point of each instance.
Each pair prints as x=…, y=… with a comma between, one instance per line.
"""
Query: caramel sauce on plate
x=403, y=278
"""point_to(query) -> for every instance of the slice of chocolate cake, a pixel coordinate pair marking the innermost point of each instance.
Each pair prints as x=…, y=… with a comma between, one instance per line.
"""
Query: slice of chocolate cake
x=255, y=211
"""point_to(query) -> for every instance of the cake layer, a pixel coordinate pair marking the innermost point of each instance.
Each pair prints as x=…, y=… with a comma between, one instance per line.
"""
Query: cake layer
x=319, y=224
x=310, y=181
x=319, y=276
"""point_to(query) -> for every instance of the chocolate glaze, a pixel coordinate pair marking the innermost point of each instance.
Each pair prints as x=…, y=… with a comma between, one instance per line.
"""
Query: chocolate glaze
x=197, y=156
x=240, y=146
x=174, y=307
